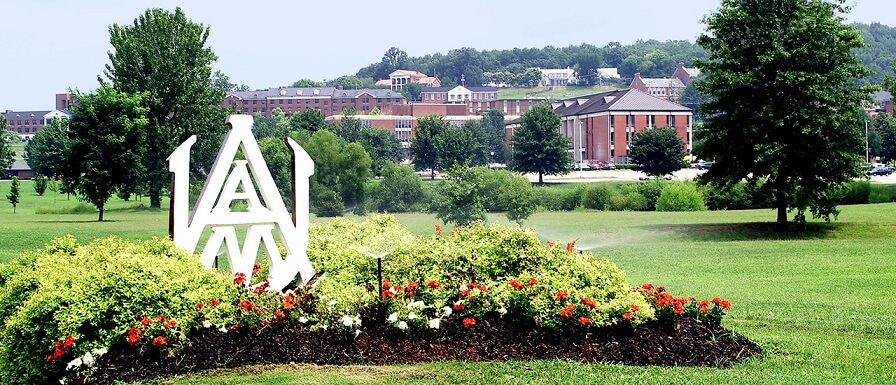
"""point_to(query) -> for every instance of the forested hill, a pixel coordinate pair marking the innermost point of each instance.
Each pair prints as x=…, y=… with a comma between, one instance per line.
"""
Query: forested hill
x=651, y=58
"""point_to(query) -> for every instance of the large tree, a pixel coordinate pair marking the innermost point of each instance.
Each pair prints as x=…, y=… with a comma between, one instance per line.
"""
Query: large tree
x=46, y=151
x=383, y=147
x=538, y=145
x=658, y=151
x=164, y=54
x=424, y=144
x=106, y=136
x=782, y=82
x=493, y=126
x=7, y=155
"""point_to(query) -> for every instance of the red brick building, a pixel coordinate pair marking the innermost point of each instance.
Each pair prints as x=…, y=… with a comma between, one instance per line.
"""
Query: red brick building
x=327, y=100
x=28, y=123
x=601, y=126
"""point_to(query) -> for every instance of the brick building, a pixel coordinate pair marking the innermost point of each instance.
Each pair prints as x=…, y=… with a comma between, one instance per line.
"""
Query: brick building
x=28, y=123
x=601, y=126
x=327, y=100
x=665, y=88
x=398, y=78
x=477, y=99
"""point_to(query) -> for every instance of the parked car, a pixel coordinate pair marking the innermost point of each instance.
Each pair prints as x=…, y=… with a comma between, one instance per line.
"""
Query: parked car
x=608, y=166
x=427, y=173
x=879, y=171
x=704, y=165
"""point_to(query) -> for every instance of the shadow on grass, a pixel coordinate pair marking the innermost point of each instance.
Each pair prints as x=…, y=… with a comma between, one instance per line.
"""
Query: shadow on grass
x=722, y=232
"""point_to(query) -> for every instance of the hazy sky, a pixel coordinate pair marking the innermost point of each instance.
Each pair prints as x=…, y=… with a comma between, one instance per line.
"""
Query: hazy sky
x=51, y=45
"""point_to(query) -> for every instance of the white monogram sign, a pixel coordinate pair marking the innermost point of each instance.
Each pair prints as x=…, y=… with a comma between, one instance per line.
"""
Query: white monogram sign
x=232, y=180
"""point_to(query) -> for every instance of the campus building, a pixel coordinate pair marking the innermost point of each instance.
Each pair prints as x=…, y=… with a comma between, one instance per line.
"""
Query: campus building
x=327, y=100
x=601, y=126
x=28, y=123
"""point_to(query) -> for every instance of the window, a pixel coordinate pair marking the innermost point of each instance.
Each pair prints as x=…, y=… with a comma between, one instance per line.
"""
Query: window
x=629, y=120
x=651, y=120
x=611, y=122
x=671, y=120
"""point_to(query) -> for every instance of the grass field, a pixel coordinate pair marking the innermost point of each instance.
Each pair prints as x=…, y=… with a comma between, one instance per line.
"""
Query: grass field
x=818, y=299
x=557, y=92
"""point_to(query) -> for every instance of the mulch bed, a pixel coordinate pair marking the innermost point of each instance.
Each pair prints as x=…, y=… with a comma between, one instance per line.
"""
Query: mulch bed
x=687, y=343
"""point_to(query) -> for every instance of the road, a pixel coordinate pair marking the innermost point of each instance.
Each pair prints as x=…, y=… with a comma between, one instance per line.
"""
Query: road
x=630, y=175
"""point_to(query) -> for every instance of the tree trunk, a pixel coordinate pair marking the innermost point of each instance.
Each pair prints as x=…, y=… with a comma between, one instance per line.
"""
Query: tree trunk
x=540, y=181
x=782, y=213
x=155, y=200
x=101, y=207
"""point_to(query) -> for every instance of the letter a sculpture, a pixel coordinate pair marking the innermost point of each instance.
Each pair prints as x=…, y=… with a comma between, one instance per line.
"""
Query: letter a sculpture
x=231, y=180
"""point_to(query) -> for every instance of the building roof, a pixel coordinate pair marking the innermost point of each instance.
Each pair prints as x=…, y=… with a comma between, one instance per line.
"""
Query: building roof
x=299, y=92
x=408, y=73
x=618, y=100
x=19, y=166
x=30, y=114
x=446, y=89
x=663, y=82
x=882, y=96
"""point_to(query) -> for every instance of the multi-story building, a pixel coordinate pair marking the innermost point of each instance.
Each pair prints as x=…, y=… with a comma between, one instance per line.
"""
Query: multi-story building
x=327, y=100
x=601, y=126
x=28, y=123
x=398, y=78
x=557, y=77
x=477, y=99
x=666, y=88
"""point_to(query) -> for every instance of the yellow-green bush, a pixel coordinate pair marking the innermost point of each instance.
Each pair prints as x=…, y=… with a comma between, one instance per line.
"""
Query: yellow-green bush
x=92, y=293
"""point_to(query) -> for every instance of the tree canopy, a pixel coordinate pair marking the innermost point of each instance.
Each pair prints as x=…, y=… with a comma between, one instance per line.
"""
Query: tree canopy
x=7, y=155
x=658, y=151
x=165, y=55
x=424, y=144
x=783, y=100
x=538, y=145
x=106, y=136
x=46, y=151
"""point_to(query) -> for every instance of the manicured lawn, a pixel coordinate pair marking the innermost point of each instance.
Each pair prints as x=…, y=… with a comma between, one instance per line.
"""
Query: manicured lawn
x=819, y=300
x=558, y=92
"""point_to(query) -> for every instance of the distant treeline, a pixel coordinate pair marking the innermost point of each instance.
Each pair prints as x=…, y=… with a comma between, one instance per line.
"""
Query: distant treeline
x=651, y=58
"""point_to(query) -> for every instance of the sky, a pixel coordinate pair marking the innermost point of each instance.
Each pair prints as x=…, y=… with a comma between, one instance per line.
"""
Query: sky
x=53, y=45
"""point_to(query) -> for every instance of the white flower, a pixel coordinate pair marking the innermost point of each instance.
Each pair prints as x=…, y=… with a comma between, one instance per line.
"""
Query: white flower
x=347, y=321
x=324, y=327
x=88, y=359
x=222, y=329
x=411, y=316
x=99, y=352
x=402, y=325
x=446, y=310
x=303, y=320
x=393, y=317
x=464, y=287
x=331, y=303
x=357, y=321
x=434, y=323
x=416, y=304
x=502, y=311
x=73, y=364
x=206, y=324
x=357, y=332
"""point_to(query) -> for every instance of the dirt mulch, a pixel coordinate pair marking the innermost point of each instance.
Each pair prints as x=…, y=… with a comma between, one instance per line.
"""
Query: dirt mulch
x=687, y=343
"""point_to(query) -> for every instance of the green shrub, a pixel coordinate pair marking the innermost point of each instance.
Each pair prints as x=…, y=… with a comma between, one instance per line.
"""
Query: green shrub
x=680, y=196
x=493, y=183
x=628, y=201
x=596, y=196
x=39, y=182
x=548, y=198
x=89, y=295
x=572, y=198
x=328, y=203
x=400, y=190
x=651, y=190
x=882, y=193
x=80, y=208
x=855, y=193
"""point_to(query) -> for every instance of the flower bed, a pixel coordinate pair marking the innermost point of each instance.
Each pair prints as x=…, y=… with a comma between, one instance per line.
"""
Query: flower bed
x=495, y=290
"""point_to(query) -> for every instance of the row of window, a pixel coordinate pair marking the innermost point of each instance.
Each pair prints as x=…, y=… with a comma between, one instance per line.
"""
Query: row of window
x=651, y=121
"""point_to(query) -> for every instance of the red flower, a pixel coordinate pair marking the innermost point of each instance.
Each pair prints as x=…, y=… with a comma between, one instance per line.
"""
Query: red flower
x=279, y=314
x=647, y=286
x=703, y=306
x=287, y=302
x=458, y=306
x=571, y=246
x=562, y=294
x=634, y=307
x=584, y=321
x=169, y=324
x=550, y=243
x=159, y=341
x=145, y=321
x=677, y=308
x=256, y=268
x=721, y=302
x=438, y=230
x=464, y=293
x=483, y=289
x=469, y=322
x=532, y=282
x=60, y=347
x=387, y=284
x=434, y=284
x=627, y=315
x=516, y=284
x=265, y=322
x=247, y=305
x=567, y=312
x=133, y=336
x=664, y=299
x=239, y=278
x=200, y=305
x=388, y=293
x=261, y=287
x=589, y=302
x=398, y=288
x=214, y=302
x=413, y=286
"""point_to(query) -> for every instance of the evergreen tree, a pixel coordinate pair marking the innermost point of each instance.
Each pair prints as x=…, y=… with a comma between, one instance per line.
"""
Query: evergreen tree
x=13, y=195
